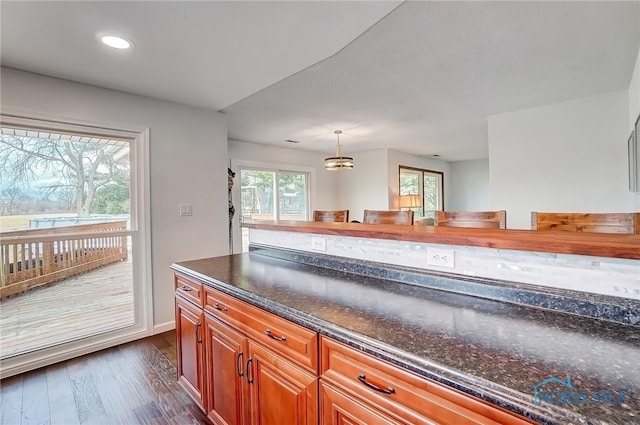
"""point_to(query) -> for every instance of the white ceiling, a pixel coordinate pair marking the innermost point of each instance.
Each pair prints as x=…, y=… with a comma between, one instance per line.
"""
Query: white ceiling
x=203, y=53
x=421, y=80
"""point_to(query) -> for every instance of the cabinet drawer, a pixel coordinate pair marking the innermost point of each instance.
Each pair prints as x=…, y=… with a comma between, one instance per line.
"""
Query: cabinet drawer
x=403, y=395
x=189, y=289
x=294, y=342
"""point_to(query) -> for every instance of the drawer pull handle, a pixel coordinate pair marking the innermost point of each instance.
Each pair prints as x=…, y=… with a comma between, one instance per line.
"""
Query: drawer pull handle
x=218, y=307
x=186, y=288
x=239, y=364
x=362, y=378
x=272, y=336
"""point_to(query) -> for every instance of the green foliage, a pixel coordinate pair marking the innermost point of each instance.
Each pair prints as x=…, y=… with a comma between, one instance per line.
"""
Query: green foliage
x=111, y=199
x=259, y=187
x=429, y=187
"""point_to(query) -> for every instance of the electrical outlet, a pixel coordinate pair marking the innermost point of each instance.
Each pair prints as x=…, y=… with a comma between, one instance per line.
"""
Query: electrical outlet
x=318, y=244
x=440, y=257
x=185, y=210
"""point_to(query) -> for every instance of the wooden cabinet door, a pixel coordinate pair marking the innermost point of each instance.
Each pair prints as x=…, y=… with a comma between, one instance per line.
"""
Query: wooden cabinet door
x=339, y=408
x=190, y=349
x=280, y=392
x=226, y=351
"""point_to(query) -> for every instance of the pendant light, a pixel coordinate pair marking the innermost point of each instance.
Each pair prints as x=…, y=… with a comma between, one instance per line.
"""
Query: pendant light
x=338, y=162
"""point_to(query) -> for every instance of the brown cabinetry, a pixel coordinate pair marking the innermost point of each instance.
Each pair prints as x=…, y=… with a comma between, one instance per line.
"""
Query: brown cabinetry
x=226, y=352
x=338, y=408
x=397, y=396
x=242, y=364
x=190, y=350
x=280, y=392
x=246, y=366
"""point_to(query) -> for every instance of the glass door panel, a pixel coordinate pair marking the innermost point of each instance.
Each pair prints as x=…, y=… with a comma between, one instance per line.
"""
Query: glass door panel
x=66, y=253
x=292, y=195
x=272, y=195
x=258, y=195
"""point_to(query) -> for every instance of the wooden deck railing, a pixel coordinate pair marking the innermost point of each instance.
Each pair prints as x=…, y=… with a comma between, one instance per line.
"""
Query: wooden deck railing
x=35, y=257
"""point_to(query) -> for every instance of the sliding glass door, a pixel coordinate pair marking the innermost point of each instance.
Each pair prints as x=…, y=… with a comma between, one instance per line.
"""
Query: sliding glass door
x=71, y=246
x=272, y=195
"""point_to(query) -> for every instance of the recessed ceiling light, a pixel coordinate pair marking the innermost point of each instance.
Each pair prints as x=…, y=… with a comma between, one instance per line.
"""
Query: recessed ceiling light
x=116, y=42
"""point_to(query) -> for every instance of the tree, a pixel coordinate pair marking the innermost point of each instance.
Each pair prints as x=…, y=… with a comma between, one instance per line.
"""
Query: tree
x=9, y=198
x=113, y=198
x=77, y=164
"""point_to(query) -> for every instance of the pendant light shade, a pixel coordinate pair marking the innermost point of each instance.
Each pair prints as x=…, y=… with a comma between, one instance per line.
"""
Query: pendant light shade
x=338, y=162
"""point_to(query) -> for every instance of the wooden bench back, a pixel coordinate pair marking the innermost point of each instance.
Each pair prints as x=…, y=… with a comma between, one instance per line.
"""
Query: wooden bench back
x=480, y=219
x=339, y=216
x=623, y=223
x=404, y=217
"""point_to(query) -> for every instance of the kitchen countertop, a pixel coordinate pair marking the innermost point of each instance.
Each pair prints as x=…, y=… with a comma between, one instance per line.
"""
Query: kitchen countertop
x=495, y=350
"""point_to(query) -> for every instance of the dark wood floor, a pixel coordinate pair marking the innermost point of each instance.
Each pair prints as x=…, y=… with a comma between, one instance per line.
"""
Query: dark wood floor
x=134, y=383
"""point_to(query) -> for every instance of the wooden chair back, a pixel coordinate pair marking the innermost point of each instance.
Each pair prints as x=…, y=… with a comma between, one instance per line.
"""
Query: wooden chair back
x=404, y=217
x=339, y=216
x=479, y=219
x=623, y=223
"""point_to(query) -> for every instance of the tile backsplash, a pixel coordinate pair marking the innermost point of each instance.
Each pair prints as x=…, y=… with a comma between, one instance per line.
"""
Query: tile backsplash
x=600, y=275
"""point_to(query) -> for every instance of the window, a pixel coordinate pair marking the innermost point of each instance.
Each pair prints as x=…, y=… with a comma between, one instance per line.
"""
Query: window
x=74, y=239
x=272, y=195
x=428, y=184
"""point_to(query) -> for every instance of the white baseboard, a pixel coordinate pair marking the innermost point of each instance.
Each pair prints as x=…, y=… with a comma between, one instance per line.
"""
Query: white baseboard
x=164, y=327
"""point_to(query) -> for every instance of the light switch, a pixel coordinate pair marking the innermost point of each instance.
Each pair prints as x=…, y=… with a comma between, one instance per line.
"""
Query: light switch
x=185, y=210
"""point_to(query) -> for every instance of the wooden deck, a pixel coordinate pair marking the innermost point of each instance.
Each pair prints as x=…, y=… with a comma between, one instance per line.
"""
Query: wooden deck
x=84, y=305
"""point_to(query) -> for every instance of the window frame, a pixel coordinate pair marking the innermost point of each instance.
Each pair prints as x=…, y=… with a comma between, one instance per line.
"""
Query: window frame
x=236, y=194
x=422, y=172
x=276, y=189
x=139, y=231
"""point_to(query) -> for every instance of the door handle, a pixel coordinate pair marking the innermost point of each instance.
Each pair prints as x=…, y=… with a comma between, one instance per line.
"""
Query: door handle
x=248, y=369
x=198, y=338
x=239, y=364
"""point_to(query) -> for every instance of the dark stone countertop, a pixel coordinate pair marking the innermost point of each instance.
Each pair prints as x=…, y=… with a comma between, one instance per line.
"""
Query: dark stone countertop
x=495, y=350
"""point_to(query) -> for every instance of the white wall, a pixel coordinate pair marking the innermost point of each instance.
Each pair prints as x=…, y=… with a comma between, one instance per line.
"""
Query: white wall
x=569, y=156
x=469, y=185
x=634, y=93
x=325, y=181
x=374, y=181
x=366, y=186
x=323, y=184
x=372, y=184
x=634, y=108
x=188, y=164
x=396, y=159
